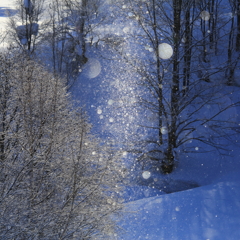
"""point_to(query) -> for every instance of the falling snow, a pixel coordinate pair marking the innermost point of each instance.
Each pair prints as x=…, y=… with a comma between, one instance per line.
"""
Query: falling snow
x=205, y=15
x=164, y=130
x=165, y=51
x=146, y=174
x=92, y=68
x=110, y=102
x=99, y=111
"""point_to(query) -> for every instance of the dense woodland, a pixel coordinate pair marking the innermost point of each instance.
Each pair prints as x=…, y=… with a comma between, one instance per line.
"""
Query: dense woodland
x=58, y=180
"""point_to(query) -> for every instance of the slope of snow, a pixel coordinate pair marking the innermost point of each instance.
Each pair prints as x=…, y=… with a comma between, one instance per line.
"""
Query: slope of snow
x=206, y=213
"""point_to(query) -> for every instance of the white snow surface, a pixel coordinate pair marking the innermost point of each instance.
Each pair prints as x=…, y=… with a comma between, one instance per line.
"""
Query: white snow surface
x=209, y=212
x=6, y=3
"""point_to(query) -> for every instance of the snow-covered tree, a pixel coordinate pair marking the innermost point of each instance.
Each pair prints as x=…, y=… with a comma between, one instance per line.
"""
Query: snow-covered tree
x=24, y=26
x=57, y=182
x=71, y=29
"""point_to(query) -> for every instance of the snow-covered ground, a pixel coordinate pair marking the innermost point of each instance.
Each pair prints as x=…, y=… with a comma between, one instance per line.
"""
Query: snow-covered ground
x=5, y=5
x=206, y=213
x=200, y=200
x=209, y=211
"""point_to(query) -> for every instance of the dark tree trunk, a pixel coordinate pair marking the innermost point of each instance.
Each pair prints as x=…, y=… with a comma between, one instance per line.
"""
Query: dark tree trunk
x=169, y=161
x=230, y=72
x=159, y=78
x=238, y=26
x=187, y=51
x=82, y=20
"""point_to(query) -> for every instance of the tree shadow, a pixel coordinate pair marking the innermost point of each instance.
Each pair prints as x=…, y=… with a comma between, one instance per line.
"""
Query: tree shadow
x=5, y=12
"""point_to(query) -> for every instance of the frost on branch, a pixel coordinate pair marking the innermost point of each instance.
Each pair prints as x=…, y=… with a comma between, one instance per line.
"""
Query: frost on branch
x=56, y=181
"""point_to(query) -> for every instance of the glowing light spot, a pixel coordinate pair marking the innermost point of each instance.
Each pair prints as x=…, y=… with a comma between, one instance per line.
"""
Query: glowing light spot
x=146, y=174
x=92, y=68
x=177, y=209
x=124, y=153
x=111, y=120
x=205, y=15
x=183, y=40
x=164, y=130
x=110, y=102
x=165, y=51
x=99, y=111
x=126, y=29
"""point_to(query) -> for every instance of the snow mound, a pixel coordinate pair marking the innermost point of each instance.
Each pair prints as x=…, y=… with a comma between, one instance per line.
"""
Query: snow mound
x=209, y=212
